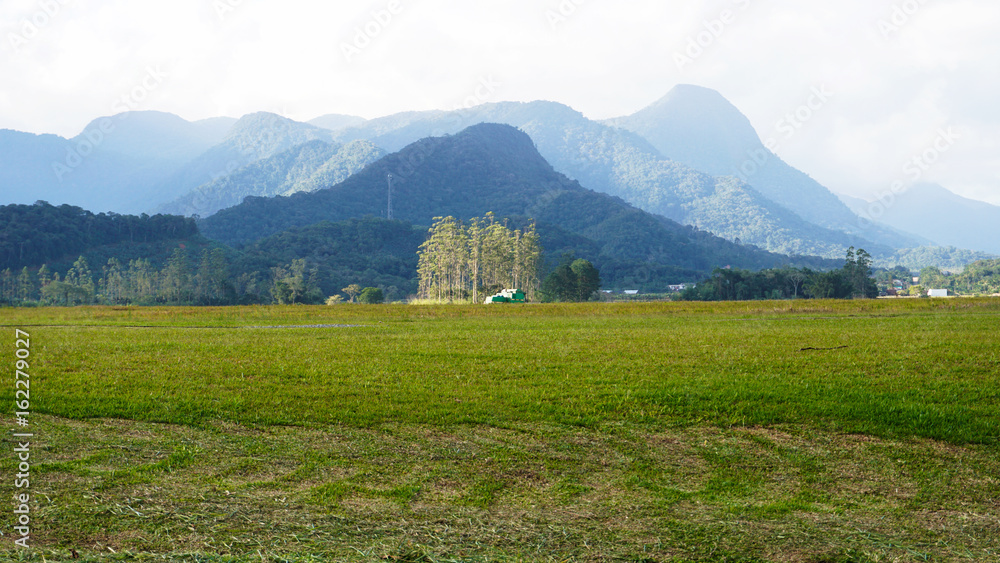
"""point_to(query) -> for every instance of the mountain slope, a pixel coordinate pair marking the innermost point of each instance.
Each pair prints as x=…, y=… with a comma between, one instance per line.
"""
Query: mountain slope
x=51, y=168
x=700, y=128
x=307, y=167
x=370, y=252
x=32, y=235
x=490, y=167
x=938, y=214
x=113, y=165
x=153, y=135
x=622, y=163
x=254, y=137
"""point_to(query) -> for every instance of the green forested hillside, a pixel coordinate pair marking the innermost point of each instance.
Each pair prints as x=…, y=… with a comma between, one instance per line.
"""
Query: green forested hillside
x=978, y=278
x=944, y=257
x=179, y=266
x=308, y=246
x=31, y=235
x=489, y=168
x=700, y=128
x=308, y=167
x=254, y=137
x=369, y=252
x=622, y=163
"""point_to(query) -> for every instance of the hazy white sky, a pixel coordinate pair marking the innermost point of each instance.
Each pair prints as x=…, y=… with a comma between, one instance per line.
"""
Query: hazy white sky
x=901, y=72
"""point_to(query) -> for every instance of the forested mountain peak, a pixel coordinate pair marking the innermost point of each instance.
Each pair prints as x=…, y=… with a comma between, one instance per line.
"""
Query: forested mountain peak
x=263, y=134
x=493, y=168
x=307, y=167
x=254, y=137
x=14, y=141
x=152, y=134
x=689, y=120
x=779, y=208
x=260, y=124
x=699, y=128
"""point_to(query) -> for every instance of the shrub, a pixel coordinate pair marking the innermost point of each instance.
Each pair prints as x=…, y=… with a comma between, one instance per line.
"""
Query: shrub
x=371, y=296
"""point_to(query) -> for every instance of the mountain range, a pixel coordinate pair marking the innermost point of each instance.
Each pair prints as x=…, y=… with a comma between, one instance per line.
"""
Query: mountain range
x=690, y=157
x=496, y=168
x=938, y=214
x=117, y=163
x=307, y=167
x=622, y=163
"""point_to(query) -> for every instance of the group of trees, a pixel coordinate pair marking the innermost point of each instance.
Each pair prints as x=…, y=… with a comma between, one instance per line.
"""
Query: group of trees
x=365, y=296
x=370, y=252
x=459, y=262
x=207, y=281
x=853, y=280
x=575, y=281
x=978, y=278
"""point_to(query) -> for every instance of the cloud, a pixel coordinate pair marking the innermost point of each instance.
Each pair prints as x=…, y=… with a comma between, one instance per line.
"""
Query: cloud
x=894, y=85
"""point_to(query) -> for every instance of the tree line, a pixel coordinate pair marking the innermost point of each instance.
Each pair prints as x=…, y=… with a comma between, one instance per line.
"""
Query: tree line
x=852, y=281
x=181, y=281
x=978, y=278
x=40, y=233
x=459, y=261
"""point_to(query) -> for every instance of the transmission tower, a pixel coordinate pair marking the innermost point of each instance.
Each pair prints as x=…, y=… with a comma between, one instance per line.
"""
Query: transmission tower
x=389, y=213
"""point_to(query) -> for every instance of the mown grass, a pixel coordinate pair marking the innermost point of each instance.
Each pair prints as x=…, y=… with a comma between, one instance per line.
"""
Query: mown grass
x=794, y=431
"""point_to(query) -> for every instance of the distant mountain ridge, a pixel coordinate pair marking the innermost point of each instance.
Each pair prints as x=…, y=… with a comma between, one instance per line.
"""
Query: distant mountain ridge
x=115, y=164
x=336, y=121
x=492, y=167
x=154, y=134
x=700, y=128
x=135, y=162
x=938, y=214
x=307, y=167
x=252, y=138
x=622, y=163
x=676, y=158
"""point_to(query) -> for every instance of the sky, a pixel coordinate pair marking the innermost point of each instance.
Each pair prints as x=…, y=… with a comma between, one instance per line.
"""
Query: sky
x=909, y=86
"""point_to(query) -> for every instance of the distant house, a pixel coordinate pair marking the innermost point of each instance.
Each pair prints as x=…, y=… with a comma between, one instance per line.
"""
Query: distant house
x=631, y=292
x=937, y=293
x=679, y=287
x=916, y=280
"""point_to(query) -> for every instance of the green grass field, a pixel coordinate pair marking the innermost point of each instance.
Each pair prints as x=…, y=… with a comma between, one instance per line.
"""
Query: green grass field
x=818, y=432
